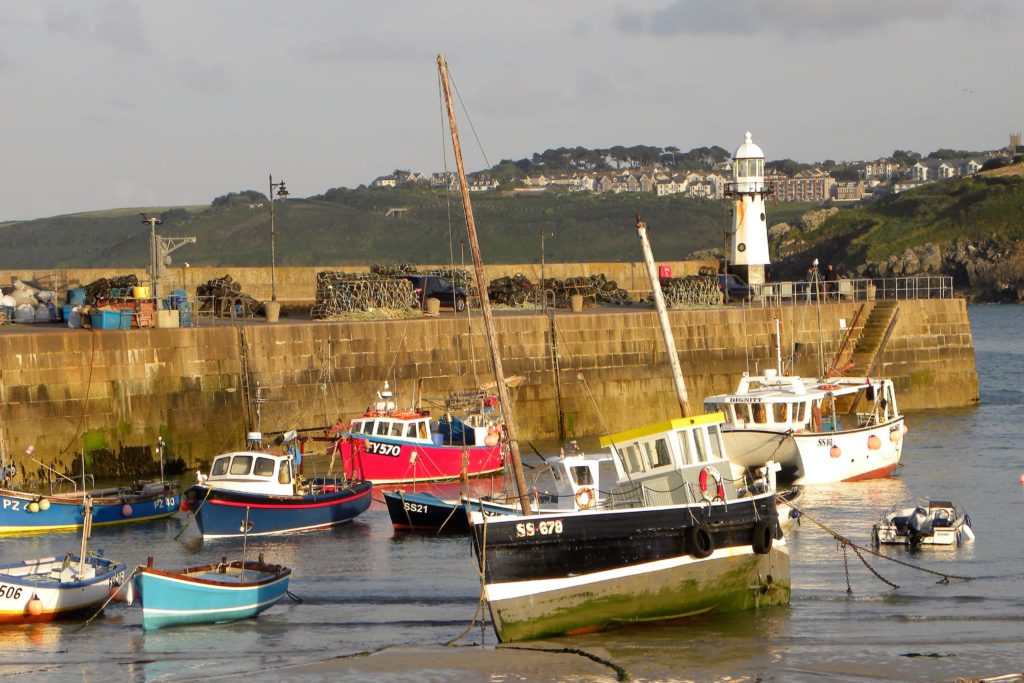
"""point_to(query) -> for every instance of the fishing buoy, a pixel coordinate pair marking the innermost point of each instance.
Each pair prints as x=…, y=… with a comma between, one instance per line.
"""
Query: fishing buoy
x=35, y=606
x=905, y=428
x=895, y=435
x=874, y=443
x=32, y=507
x=1022, y=479
x=44, y=504
x=835, y=452
x=492, y=437
x=184, y=505
x=126, y=510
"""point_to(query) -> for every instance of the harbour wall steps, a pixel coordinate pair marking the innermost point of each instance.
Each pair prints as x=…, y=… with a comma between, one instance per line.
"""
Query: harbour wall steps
x=108, y=395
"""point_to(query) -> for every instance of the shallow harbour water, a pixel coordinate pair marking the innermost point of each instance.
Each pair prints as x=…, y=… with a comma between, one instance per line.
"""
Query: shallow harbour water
x=363, y=588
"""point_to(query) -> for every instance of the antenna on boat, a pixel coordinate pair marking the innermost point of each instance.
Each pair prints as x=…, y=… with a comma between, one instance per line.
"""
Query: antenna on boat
x=666, y=326
x=485, y=302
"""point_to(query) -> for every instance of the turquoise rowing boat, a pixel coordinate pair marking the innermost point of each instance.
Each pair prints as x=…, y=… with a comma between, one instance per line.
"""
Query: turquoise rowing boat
x=209, y=594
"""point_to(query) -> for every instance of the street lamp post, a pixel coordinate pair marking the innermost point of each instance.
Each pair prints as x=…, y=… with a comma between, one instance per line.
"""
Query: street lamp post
x=283, y=194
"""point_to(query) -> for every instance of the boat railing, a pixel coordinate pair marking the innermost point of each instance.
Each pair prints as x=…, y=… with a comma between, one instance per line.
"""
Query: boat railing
x=854, y=289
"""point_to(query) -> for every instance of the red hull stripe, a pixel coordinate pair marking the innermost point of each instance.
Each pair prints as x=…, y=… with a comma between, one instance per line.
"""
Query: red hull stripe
x=874, y=474
x=286, y=506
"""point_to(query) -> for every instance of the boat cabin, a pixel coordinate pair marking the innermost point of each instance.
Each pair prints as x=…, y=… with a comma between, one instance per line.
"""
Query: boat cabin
x=776, y=403
x=395, y=424
x=675, y=462
x=578, y=479
x=253, y=472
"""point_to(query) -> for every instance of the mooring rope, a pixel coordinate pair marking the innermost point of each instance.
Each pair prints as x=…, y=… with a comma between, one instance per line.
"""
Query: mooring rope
x=844, y=542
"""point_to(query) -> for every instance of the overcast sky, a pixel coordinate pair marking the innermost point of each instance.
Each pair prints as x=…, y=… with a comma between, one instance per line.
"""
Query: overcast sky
x=122, y=103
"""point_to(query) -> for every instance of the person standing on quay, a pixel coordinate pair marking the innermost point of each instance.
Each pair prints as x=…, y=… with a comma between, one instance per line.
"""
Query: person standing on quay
x=831, y=282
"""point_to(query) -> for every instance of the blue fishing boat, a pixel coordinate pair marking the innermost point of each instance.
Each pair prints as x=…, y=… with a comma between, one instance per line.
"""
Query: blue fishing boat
x=213, y=593
x=23, y=512
x=259, y=493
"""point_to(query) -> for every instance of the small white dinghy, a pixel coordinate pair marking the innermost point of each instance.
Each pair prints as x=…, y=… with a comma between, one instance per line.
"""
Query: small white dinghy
x=937, y=522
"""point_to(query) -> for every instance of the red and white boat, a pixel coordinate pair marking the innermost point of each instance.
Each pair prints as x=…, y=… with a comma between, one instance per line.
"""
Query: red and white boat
x=396, y=446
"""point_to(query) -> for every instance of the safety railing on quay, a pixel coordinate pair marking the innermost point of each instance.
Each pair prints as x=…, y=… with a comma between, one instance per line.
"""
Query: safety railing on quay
x=858, y=289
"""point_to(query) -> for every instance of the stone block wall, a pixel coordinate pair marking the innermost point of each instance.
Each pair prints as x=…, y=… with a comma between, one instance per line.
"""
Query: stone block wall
x=112, y=393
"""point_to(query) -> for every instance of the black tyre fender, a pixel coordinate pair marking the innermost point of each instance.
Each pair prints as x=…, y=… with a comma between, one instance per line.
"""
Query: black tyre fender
x=460, y=304
x=699, y=541
x=763, y=536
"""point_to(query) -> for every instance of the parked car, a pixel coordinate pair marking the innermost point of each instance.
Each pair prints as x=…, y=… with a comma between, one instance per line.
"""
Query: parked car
x=735, y=288
x=440, y=288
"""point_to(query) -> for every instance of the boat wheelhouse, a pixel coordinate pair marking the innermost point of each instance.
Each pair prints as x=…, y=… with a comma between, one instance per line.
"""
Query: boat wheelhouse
x=819, y=431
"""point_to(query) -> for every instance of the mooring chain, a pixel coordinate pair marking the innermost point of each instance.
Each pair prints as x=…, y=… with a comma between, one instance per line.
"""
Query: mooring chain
x=843, y=541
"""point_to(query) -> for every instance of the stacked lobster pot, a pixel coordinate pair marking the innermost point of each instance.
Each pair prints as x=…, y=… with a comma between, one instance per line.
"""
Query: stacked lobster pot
x=694, y=291
x=224, y=297
x=340, y=293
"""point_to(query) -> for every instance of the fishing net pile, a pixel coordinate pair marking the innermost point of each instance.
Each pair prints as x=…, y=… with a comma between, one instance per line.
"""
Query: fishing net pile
x=338, y=294
x=691, y=292
x=223, y=297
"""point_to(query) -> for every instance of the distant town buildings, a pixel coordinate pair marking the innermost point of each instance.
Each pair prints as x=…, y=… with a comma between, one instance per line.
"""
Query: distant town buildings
x=817, y=185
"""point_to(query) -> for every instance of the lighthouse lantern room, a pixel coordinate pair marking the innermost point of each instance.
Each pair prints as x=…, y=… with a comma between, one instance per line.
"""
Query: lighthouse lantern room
x=748, y=240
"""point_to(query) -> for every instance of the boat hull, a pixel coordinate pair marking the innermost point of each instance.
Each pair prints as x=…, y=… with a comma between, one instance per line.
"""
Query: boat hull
x=556, y=574
x=66, y=513
x=426, y=512
x=855, y=459
x=67, y=597
x=221, y=513
x=203, y=595
x=756, y=447
x=396, y=461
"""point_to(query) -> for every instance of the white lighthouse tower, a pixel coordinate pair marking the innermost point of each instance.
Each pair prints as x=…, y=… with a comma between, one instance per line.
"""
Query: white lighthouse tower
x=748, y=243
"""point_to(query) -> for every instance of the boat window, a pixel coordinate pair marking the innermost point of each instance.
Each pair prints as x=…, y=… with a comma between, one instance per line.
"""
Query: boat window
x=264, y=467
x=220, y=466
x=396, y=429
x=241, y=464
x=760, y=414
x=661, y=455
x=699, y=438
x=424, y=434
x=686, y=447
x=715, y=439
x=742, y=412
x=582, y=475
x=285, y=475
x=557, y=475
x=633, y=458
x=801, y=413
x=781, y=412
x=382, y=428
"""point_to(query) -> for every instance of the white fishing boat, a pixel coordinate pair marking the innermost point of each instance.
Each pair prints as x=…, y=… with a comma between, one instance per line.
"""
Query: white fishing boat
x=819, y=431
x=936, y=522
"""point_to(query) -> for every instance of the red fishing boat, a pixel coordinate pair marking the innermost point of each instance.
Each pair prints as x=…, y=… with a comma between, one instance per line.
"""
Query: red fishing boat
x=396, y=446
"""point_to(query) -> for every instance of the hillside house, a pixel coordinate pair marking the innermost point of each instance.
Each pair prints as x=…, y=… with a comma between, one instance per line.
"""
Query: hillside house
x=811, y=185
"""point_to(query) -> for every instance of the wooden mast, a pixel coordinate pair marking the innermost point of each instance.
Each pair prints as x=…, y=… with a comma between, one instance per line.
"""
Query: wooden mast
x=485, y=302
x=666, y=327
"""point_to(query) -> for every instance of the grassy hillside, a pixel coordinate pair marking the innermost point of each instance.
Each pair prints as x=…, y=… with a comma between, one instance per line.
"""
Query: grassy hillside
x=345, y=227
x=973, y=208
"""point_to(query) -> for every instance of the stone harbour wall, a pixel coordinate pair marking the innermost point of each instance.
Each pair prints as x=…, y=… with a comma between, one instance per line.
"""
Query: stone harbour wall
x=108, y=395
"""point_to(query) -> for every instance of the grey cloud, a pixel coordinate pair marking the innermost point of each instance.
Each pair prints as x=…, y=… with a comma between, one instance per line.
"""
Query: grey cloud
x=119, y=23
x=66, y=19
x=788, y=18
x=365, y=49
x=204, y=78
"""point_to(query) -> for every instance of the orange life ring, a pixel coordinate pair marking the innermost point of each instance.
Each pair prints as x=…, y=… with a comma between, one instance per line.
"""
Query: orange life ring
x=705, y=475
x=585, y=498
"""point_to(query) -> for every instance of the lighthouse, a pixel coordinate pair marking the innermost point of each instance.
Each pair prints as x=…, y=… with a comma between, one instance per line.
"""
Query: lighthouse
x=748, y=240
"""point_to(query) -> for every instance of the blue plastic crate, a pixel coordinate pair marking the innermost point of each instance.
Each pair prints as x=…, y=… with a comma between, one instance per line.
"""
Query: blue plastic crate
x=126, y=319
x=105, y=320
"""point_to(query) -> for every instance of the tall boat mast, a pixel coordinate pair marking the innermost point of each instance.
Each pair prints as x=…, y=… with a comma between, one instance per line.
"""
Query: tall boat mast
x=666, y=327
x=485, y=302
